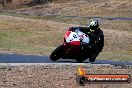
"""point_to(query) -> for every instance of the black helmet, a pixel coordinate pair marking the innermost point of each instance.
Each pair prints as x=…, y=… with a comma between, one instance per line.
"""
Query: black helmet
x=94, y=24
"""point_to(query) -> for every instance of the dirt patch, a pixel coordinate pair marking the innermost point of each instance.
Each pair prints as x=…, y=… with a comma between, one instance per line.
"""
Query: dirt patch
x=55, y=76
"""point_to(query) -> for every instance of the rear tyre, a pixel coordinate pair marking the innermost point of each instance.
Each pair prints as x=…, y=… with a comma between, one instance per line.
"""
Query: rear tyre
x=57, y=53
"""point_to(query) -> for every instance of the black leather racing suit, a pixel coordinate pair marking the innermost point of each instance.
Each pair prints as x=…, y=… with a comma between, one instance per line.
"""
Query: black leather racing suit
x=96, y=40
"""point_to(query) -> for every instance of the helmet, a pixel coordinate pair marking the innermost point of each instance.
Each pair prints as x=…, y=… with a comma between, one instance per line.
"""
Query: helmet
x=94, y=24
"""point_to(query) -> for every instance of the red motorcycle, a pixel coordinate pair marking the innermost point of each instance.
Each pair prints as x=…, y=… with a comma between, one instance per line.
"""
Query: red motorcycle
x=72, y=47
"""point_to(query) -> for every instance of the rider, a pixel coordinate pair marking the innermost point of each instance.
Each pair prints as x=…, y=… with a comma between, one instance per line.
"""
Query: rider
x=96, y=39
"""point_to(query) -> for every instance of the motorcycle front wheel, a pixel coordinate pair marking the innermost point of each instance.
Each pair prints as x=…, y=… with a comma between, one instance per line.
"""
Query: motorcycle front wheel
x=57, y=53
x=92, y=58
x=80, y=60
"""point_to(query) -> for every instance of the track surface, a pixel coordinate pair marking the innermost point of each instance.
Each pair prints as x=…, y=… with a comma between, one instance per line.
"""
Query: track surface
x=16, y=58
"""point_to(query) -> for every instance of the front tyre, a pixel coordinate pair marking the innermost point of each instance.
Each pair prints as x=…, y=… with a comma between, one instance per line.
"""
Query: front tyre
x=57, y=53
x=92, y=58
x=80, y=60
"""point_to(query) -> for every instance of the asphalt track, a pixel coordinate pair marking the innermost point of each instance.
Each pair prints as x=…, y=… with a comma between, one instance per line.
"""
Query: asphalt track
x=17, y=58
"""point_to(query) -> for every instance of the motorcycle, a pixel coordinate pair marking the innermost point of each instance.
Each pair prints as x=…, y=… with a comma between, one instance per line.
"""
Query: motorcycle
x=72, y=47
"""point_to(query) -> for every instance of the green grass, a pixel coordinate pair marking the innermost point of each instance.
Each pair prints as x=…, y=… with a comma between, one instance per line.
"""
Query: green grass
x=12, y=38
x=25, y=41
x=116, y=55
